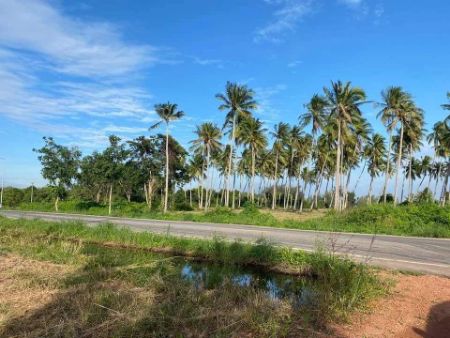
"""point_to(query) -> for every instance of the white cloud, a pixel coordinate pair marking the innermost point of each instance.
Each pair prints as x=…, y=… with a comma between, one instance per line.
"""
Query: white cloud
x=288, y=14
x=70, y=78
x=266, y=107
x=294, y=64
x=351, y=2
x=208, y=62
x=70, y=46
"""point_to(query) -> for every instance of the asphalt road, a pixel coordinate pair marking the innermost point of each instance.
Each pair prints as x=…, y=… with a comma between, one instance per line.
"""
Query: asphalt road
x=425, y=255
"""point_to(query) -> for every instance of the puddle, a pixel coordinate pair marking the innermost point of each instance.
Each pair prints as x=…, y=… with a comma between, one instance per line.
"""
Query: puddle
x=299, y=291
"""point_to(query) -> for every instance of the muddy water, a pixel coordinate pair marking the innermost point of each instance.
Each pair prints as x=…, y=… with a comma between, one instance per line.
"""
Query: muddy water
x=299, y=291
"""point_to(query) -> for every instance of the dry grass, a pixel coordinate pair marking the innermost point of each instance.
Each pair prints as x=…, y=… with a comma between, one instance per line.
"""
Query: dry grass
x=36, y=302
x=25, y=284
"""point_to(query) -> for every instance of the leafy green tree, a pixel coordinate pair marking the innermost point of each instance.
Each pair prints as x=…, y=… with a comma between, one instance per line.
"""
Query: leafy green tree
x=145, y=153
x=59, y=166
x=112, y=164
x=167, y=112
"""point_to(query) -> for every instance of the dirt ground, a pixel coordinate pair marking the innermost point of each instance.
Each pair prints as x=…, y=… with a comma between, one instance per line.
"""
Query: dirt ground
x=419, y=306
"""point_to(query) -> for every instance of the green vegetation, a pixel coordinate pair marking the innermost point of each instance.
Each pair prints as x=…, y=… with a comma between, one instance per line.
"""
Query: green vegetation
x=114, y=286
x=416, y=219
x=242, y=162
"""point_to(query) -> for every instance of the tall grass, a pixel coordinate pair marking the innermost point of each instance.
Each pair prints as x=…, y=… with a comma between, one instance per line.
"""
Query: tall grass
x=346, y=285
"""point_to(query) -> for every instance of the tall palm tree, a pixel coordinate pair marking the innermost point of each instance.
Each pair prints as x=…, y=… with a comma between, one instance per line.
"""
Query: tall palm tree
x=343, y=102
x=375, y=152
x=207, y=142
x=239, y=101
x=412, y=139
x=252, y=134
x=394, y=98
x=280, y=135
x=407, y=115
x=167, y=112
x=315, y=115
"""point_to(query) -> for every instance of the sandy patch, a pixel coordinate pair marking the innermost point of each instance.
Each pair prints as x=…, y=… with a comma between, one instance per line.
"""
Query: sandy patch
x=419, y=306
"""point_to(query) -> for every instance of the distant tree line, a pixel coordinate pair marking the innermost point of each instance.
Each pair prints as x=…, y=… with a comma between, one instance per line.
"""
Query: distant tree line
x=311, y=161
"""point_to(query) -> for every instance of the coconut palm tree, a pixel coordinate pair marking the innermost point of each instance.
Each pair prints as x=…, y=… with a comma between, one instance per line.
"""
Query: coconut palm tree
x=398, y=108
x=375, y=152
x=167, y=112
x=207, y=142
x=239, y=101
x=252, y=134
x=280, y=135
x=315, y=115
x=344, y=103
x=394, y=98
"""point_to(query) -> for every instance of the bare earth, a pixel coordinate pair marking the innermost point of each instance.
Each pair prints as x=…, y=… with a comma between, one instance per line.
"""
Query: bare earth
x=419, y=306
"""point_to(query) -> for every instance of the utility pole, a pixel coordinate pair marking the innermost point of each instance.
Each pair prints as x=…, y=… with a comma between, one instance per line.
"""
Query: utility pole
x=32, y=186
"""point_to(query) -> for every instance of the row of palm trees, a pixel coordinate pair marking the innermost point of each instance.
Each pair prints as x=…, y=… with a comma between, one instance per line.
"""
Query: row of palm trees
x=330, y=141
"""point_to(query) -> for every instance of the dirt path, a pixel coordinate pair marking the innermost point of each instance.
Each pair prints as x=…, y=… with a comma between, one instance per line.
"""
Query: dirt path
x=419, y=306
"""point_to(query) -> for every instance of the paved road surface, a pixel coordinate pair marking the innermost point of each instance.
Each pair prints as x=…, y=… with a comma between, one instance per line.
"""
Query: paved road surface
x=427, y=255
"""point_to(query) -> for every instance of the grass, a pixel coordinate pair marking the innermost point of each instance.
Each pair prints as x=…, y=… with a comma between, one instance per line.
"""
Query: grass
x=106, y=282
x=423, y=220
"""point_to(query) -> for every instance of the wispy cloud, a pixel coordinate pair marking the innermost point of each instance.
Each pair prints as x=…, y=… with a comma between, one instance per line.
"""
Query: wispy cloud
x=351, y=3
x=69, y=46
x=267, y=109
x=285, y=18
x=208, y=62
x=62, y=76
x=288, y=14
x=294, y=64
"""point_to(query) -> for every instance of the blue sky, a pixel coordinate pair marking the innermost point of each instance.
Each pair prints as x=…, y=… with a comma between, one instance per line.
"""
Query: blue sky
x=81, y=70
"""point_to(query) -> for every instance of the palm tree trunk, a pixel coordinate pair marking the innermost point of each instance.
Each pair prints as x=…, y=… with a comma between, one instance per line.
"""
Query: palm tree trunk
x=337, y=205
x=166, y=191
x=303, y=197
x=234, y=190
x=346, y=189
x=274, y=193
x=230, y=161
x=410, y=181
x=318, y=183
x=438, y=174
x=253, y=176
x=370, y=190
x=399, y=163
x=207, y=173
x=360, y=175
x=386, y=175
x=444, y=185
x=403, y=187
x=429, y=172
